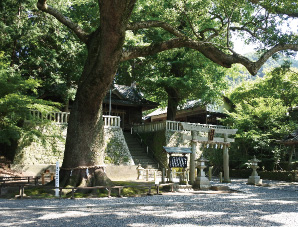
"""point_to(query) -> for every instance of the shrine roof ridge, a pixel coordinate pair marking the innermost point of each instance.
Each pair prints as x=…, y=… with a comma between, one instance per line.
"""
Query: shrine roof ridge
x=178, y=150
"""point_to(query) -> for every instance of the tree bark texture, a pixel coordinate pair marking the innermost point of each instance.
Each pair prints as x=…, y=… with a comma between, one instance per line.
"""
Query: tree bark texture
x=173, y=102
x=85, y=129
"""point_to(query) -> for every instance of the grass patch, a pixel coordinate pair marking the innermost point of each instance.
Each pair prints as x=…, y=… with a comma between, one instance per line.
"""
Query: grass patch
x=131, y=189
x=40, y=192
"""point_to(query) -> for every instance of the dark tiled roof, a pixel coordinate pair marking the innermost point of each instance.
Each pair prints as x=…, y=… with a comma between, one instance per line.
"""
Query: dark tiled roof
x=292, y=138
x=128, y=96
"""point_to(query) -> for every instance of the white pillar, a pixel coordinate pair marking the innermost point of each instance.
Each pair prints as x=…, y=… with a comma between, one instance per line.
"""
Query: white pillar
x=226, y=161
x=192, y=161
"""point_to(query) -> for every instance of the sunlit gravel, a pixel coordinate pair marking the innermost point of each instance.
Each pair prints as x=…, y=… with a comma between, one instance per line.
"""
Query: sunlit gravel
x=276, y=204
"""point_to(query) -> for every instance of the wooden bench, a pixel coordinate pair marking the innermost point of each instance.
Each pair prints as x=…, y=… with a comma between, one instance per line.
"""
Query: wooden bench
x=17, y=182
x=109, y=188
x=8, y=180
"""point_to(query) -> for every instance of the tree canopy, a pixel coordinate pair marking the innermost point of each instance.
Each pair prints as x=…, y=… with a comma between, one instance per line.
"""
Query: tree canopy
x=260, y=115
x=171, y=78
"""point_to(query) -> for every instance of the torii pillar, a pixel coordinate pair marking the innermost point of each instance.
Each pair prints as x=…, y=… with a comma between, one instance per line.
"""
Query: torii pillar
x=226, y=167
x=211, y=130
x=192, y=161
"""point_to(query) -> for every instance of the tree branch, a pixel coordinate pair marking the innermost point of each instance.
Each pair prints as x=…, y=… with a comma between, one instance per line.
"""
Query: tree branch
x=243, y=29
x=214, y=34
x=209, y=50
x=285, y=10
x=152, y=24
x=43, y=6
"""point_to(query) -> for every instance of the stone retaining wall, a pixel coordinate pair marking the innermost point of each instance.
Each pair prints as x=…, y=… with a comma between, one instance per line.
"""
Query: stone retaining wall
x=49, y=149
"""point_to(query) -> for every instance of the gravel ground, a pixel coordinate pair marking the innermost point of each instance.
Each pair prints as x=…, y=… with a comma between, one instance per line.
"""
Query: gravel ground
x=275, y=204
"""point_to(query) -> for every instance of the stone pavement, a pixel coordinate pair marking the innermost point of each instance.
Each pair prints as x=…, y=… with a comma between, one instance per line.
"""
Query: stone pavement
x=276, y=204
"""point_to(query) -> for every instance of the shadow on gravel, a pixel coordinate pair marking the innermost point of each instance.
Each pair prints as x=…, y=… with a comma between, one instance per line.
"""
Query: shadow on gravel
x=167, y=210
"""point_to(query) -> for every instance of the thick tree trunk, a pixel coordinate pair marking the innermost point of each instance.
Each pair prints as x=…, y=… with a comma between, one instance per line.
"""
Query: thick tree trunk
x=173, y=101
x=85, y=129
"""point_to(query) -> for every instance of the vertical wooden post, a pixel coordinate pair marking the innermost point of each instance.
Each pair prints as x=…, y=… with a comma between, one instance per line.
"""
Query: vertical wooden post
x=109, y=192
x=22, y=191
x=72, y=193
x=147, y=174
x=42, y=178
x=163, y=175
x=52, y=176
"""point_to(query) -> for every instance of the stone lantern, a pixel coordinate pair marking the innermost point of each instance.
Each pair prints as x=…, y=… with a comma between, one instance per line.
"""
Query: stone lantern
x=201, y=181
x=254, y=178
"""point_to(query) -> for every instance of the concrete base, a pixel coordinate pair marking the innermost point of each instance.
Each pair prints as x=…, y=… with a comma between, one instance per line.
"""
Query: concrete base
x=115, y=173
x=33, y=170
x=227, y=181
x=201, y=183
x=122, y=173
x=254, y=180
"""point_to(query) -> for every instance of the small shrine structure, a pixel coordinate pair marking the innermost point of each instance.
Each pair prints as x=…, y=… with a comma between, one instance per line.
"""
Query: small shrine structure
x=177, y=160
x=209, y=134
x=290, y=140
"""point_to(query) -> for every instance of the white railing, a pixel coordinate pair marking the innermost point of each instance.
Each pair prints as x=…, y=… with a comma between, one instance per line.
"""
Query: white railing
x=59, y=117
x=63, y=117
x=209, y=126
x=169, y=126
x=111, y=121
x=150, y=127
x=173, y=126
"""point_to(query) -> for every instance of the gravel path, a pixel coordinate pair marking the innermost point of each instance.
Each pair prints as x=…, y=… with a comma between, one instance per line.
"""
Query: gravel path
x=273, y=205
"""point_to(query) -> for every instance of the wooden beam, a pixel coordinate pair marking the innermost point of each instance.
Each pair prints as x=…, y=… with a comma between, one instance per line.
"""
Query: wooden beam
x=206, y=128
x=205, y=139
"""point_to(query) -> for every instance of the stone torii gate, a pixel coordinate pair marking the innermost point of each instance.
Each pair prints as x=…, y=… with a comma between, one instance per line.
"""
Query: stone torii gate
x=209, y=131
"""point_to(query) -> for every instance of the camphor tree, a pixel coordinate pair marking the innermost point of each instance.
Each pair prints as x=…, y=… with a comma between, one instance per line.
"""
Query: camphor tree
x=207, y=29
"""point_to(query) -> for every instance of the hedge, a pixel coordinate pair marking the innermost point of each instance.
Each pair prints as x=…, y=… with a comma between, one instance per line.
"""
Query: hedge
x=268, y=175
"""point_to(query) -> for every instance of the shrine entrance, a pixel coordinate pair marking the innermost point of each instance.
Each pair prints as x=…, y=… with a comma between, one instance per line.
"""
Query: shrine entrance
x=209, y=135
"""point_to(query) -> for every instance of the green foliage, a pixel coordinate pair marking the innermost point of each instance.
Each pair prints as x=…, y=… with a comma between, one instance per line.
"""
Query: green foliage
x=269, y=175
x=40, y=60
x=260, y=115
x=178, y=74
x=41, y=48
x=280, y=83
x=17, y=99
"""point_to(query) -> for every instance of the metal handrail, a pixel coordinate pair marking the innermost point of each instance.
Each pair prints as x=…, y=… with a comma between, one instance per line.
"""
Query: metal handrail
x=149, y=151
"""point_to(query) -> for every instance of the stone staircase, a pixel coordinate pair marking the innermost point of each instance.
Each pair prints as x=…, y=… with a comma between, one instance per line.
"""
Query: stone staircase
x=138, y=152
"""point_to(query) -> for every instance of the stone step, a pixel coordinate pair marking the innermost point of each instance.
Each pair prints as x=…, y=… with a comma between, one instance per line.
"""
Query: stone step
x=138, y=152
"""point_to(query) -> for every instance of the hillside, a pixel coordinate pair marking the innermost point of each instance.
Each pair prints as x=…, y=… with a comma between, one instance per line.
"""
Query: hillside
x=273, y=62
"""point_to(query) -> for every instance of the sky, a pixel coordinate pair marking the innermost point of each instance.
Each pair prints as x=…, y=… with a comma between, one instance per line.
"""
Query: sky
x=241, y=48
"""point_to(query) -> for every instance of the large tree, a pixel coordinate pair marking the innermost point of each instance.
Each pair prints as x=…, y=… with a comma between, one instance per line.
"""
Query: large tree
x=207, y=29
